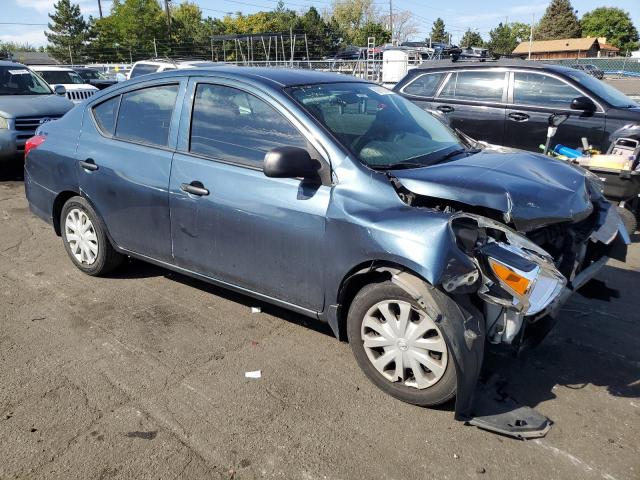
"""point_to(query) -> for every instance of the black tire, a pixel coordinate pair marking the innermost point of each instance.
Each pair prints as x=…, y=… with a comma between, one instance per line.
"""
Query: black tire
x=440, y=392
x=106, y=258
x=629, y=219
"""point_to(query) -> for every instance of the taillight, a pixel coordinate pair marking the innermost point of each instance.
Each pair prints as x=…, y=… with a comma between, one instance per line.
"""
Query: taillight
x=33, y=142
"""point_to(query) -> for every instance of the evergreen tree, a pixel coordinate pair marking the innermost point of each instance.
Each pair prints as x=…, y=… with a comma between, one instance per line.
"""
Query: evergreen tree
x=438, y=33
x=67, y=31
x=471, y=39
x=559, y=21
x=502, y=40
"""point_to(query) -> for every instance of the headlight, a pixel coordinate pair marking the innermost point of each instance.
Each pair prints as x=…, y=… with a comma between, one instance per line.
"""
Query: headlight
x=4, y=123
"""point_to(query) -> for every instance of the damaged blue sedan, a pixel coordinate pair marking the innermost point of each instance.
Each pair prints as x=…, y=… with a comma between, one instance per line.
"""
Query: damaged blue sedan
x=335, y=198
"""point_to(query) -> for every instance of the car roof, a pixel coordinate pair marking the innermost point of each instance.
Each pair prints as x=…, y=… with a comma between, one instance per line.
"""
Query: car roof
x=504, y=63
x=8, y=63
x=275, y=77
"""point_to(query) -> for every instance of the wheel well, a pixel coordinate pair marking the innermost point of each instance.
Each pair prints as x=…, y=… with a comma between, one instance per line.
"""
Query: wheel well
x=58, y=203
x=356, y=280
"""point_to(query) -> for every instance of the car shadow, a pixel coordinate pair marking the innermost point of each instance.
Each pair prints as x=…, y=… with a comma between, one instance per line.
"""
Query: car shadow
x=12, y=171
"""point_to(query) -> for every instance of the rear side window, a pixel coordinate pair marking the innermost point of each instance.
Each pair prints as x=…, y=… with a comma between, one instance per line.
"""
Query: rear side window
x=105, y=115
x=479, y=86
x=232, y=125
x=145, y=115
x=542, y=90
x=143, y=69
x=424, y=86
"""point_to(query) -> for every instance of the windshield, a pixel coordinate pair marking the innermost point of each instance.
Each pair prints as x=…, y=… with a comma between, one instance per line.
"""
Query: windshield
x=21, y=81
x=54, y=77
x=611, y=95
x=379, y=127
x=92, y=75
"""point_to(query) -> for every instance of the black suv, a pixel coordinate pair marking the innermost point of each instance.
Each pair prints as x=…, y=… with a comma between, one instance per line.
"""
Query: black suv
x=509, y=102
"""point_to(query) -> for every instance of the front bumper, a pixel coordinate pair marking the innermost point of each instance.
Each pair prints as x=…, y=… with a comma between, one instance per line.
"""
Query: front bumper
x=11, y=145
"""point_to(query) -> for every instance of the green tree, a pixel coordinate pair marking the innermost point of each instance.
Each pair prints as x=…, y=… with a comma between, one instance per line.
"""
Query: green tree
x=67, y=31
x=502, y=40
x=322, y=37
x=350, y=16
x=438, y=32
x=371, y=29
x=559, y=21
x=613, y=23
x=471, y=39
x=187, y=24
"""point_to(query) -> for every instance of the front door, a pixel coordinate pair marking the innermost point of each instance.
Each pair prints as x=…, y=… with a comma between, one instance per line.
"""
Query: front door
x=237, y=225
x=535, y=97
x=474, y=102
x=124, y=164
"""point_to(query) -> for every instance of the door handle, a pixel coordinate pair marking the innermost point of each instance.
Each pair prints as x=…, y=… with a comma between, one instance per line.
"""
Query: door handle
x=518, y=116
x=89, y=164
x=194, y=188
x=445, y=108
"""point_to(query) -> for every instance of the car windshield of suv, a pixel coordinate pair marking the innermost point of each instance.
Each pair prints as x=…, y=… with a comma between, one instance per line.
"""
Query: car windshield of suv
x=92, y=75
x=611, y=95
x=54, y=77
x=18, y=80
x=382, y=129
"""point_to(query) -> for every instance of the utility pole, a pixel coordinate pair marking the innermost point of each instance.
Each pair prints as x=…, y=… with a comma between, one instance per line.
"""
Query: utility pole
x=391, y=19
x=533, y=20
x=100, y=8
x=166, y=7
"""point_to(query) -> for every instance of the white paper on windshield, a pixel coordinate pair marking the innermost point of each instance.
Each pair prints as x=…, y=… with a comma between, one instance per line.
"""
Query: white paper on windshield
x=380, y=90
x=19, y=72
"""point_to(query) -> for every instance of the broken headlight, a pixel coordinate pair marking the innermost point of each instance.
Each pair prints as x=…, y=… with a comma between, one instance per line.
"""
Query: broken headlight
x=516, y=273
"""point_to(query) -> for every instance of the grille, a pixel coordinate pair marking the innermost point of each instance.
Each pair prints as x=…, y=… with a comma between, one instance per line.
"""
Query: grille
x=79, y=94
x=26, y=127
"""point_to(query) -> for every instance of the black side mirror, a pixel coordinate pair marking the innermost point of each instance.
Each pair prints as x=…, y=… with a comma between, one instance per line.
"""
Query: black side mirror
x=60, y=90
x=583, y=103
x=290, y=162
x=557, y=119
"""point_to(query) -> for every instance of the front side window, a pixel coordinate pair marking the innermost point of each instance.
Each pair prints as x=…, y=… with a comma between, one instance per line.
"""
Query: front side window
x=232, y=125
x=424, y=86
x=382, y=129
x=145, y=114
x=542, y=91
x=602, y=89
x=475, y=85
x=105, y=115
x=19, y=80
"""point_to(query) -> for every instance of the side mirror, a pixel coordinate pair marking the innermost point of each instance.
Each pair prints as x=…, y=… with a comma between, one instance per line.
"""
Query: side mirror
x=583, y=103
x=60, y=90
x=290, y=162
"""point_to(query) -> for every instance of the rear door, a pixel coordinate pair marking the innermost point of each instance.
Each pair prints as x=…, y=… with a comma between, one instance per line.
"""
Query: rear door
x=474, y=102
x=263, y=234
x=533, y=97
x=124, y=161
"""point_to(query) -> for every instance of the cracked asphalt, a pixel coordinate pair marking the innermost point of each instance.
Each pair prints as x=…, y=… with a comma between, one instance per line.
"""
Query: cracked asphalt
x=141, y=375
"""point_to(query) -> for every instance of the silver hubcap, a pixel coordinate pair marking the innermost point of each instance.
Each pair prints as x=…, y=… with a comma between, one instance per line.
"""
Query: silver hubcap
x=404, y=344
x=81, y=236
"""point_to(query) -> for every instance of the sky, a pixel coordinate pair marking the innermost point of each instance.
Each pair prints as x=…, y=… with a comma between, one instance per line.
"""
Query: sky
x=25, y=20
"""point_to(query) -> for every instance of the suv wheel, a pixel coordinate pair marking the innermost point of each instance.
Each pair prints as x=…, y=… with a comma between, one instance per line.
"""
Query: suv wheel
x=85, y=240
x=399, y=346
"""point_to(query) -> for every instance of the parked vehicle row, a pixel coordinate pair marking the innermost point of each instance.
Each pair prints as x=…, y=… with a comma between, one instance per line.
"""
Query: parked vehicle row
x=335, y=198
x=76, y=89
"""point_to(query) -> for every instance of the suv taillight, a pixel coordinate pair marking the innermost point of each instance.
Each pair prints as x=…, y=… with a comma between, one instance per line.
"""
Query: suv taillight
x=33, y=142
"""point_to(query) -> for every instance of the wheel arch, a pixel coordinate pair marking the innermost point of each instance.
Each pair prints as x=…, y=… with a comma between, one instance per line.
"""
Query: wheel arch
x=58, y=204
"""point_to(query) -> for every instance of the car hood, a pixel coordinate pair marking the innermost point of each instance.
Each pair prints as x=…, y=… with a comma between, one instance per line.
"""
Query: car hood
x=12, y=106
x=530, y=190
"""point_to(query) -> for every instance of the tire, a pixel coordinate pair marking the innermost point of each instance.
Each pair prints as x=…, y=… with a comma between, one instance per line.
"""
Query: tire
x=429, y=388
x=629, y=219
x=93, y=252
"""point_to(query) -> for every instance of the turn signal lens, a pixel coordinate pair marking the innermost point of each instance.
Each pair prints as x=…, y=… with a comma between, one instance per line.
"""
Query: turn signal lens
x=517, y=282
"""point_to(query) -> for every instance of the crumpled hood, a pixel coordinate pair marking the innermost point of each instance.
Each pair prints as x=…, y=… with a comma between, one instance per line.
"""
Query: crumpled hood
x=12, y=106
x=531, y=190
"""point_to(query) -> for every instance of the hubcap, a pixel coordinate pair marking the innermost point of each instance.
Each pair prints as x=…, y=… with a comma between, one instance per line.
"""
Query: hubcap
x=404, y=344
x=81, y=236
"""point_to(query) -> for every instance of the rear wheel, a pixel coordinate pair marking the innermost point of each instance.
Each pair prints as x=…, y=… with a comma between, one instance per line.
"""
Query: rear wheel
x=629, y=219
x=85, y=240
x=399, y=346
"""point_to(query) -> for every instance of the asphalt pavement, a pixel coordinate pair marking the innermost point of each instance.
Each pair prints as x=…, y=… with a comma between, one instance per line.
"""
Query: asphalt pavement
x=141, y=375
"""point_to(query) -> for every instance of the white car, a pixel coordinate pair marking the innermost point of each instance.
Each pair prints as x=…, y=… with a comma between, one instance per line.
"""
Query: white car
x=77, y=89
x=145, y=67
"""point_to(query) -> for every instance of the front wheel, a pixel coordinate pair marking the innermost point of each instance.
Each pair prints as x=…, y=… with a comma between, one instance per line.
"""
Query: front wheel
x=399, y=346
x=628, y=218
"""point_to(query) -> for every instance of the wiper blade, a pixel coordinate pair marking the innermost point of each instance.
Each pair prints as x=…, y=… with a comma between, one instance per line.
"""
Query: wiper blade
x=457, y=152
x=398, y=166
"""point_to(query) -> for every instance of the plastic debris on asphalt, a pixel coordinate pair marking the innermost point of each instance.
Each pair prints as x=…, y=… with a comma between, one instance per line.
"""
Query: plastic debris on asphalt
x=256, y=310
x=255, y=374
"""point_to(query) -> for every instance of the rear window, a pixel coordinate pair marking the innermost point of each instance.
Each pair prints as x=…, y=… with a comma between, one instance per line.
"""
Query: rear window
x=478, y=86
x=143, y=69
x=145, y=115
x=424, y=86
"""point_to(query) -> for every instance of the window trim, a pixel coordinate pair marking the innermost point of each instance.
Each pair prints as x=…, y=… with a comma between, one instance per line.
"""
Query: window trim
x=512, y=77
x=445, y=76
x=505, y=88
x=221, y=82
x=120, y=94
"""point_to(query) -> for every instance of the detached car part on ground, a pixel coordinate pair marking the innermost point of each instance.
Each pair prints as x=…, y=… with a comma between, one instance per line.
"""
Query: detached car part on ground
x=342, y=201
